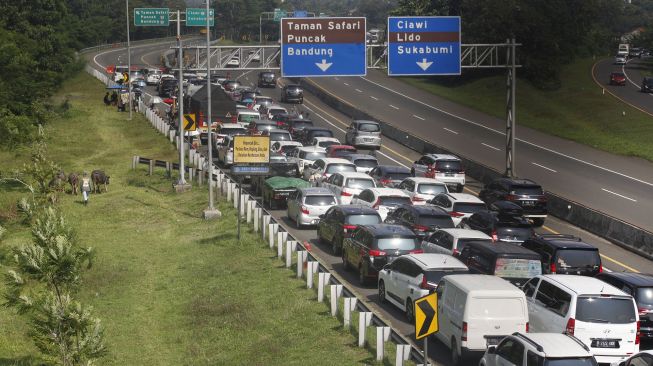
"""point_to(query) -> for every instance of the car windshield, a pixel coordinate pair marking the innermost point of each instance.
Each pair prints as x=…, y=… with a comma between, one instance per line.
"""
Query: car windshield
x=267, y=75
x=605, y=309
x=400, y=243
x=573, y=361
x=232, y=131
x=431, y=188
x=464, y=241
x=397, y=175
x=469, y=207
x=644, y=296
x=311, y=155
x=448, y=166
x=301, y=124
x=363, y=219
x=360, y=183
x=321, y=133
x=280, y=136
x=517, y=268
x=394, y=200
x=439, y=221
x=274, y=111
x=526, y=190
x=325, y=200
x=570, y=258
x=369, y=127
x=327, y=143
x=366, y=163
x=434, y=276
x=338, y=168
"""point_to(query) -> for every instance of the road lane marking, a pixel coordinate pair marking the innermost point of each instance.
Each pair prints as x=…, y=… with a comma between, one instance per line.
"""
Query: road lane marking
x=490, y=146
x=394, y=107
x=336, y=78
x=358, y=90
x=503, y=133
x=418, y=117
x=602, y=255
x=375, y=98
x=620, y=195
x=452, y=131
x=345, y=83
x=543, y=167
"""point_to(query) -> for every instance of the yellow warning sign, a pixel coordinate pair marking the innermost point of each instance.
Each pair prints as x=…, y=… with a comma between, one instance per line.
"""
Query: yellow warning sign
x=251, y=149
x=189, y=122
x=426, y=315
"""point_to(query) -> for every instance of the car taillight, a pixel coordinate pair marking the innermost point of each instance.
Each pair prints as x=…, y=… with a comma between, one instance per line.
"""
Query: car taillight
x=494, y=235
x=424, y=285
x=376, y=204
x=642, y=311
x=552, y=268
x=346, y=194
x=304, y=210
x=417, y=199
x=571, y=325
x=376, y=253
x=416, y=251
x=638, y=334
x=385, y=181
x=345, y=228
x=526, y=327
x=420, y=227
x=600, y=268
x=456, y=214
x=463, y=337
x=511, y=197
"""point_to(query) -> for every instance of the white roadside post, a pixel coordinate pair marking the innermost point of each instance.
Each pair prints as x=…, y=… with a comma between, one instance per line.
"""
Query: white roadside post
x=290, y=245
x=257, y=215
x=322, y=280
x=336, y=293
x=281, y=239
x=364, y=321
x=311, y=268
x=382, y=336
x=402, y=354
x=265, y=226
x=350, y=305
x=301, y=259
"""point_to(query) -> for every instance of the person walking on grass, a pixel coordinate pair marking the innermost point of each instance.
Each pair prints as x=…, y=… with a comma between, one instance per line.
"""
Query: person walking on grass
x=85, y=187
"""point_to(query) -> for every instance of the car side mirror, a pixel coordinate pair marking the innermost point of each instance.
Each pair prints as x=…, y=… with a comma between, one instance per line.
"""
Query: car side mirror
x=492, y=350
x=321, y=217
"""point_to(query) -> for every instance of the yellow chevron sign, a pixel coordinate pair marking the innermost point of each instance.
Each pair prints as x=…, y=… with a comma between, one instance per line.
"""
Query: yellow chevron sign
x=426, y=315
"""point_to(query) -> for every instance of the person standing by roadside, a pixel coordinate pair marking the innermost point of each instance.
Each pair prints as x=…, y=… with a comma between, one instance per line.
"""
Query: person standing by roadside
x=85, y=187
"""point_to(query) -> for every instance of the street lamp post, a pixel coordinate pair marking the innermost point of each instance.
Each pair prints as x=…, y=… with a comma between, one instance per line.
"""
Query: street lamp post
x=210, y=212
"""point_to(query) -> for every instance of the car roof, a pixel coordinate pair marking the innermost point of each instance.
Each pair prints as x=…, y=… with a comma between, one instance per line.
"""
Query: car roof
x=632, y=278
x=583, y=285
x=278, y=130
x=312, y=149
x=565, y=242
x=348, y=147
x=364, y=121
x=326, y=138
x=316, y=191
x=466, y=233
x=231, y=125
x=381, y=191
x=483, y=284
x=247, y=111
x=289, y=143
x=336, y=161
x=557, y=345
x=518, y=181
x=463, y=197
x=502, y=248
x=354, y=175
x=357, y=209
x=314, y=128
x=393, y=168
x=420, y=180
x=389, y=229
x=426, y=210
x=264, y=122
x=443, y=156
x=435, y=260
x=360, y=156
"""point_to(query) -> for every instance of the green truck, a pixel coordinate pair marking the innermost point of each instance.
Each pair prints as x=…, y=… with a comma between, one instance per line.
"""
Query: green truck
x=276, y=190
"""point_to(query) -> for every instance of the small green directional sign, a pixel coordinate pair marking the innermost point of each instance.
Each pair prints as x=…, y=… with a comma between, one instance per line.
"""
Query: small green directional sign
x=196, y=17
x=151, y=17
x=278, y=14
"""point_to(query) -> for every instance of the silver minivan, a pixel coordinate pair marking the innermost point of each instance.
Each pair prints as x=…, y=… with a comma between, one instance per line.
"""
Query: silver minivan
x=364, y=134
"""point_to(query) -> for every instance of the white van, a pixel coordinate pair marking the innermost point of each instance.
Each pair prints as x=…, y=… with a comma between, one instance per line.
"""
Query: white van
x=600, y=315
x=245, y=116
x=477, y=311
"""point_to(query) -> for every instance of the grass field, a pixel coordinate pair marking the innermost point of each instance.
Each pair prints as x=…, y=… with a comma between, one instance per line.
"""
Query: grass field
x=577, y=111
x=171, y=288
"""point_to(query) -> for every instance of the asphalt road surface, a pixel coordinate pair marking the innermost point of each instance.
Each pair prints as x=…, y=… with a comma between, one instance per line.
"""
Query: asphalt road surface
x=629, y=93
x=614, y=257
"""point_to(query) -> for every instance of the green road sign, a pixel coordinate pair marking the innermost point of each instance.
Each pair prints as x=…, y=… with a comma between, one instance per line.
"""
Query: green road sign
x=278, y=14
x=151, y=17
x=196, y=17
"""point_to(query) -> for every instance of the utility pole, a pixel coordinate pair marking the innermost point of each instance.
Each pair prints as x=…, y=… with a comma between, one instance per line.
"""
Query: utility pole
x=181, y=184
x=511, y=81
x=129, y=62
x=210, y=212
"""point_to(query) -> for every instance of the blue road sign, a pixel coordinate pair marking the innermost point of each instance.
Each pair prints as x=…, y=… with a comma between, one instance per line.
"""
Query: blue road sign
x=313, y=47
x=423, y=46
x=300, y=14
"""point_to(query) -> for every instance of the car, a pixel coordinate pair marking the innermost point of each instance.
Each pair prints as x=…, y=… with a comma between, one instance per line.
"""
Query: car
x=230, y=85
x=245, y=116
x=279, y=167
x=284, y=147
x=370, y=247
x=256, y=127
x=267, y=79
x=565, y=254
x=324, y=142
x=167, y=87
x=635, y=52
x=282, y=118
x=308, y=133
x=510, y=228
x=364, y=134
x=644, y=358
x=618, y=78
x=423, y=220
x=306, y=156
x=347, y=184
x=277, y=134
x=274, y=110
x=535, y=349
x=364, y=163
x=340, y=221
x=383, y=200
x=295, y=126
x=459, y=205
x=524, y=192
x=421, y=190
x=338, y=151
x=322, y=169
x=452, y=241
x=506, y=260
x=153, y=76
x=226, y=151
x=620, y=60
x=413, y=276
x=292, y=93
x=234, y=62
x=227, y=129
x=443, y=167
x=389, y=176
x=263, y=101
x=647, y=85
x=307, y=204
x=599, y=314
x=640, y=286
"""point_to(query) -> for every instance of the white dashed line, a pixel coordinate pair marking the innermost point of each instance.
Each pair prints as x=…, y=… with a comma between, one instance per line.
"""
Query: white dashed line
x=345, y=83
x=358, y=90
x=375, y=98
x=394, y=107
x=619, y=195
x=452, y=131
x=543, y=167
x=418, y=117
x=490, y=146
x=336, y=78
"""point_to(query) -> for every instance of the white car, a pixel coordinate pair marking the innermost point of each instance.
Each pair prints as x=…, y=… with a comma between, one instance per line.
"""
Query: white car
x=305, y=205
x=226, y=151
x=256, y=56
x=459, y=205
x=275, y=109
x=443, y=167
x=383, y=200
x=421, y=190
x=599, y=314
x=412, y=276
x=345, y=185
x=452, y=241
x=534, y=349
x=153, y=76
x=262, y=100
x=245, y=116
x=234, y=62
x=281, y=146
x=620, y=60
x=644, y=358
x=305, y=156
x=324, y=141
x=322, y=169
x=364, y=163
x=228, y=129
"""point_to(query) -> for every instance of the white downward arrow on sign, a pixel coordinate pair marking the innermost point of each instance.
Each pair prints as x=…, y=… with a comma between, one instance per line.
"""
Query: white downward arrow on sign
x=324, y=65
x=424, y=65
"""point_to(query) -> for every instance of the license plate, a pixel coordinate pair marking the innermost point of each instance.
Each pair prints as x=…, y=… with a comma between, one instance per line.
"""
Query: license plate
x=369, y=140
x=605, y=343
x=528, y=203
x=493, y=341
x=449, y=174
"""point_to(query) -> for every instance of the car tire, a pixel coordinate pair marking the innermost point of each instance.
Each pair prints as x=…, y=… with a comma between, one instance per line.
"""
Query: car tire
x=382, y=298
x=538, y=222
x=362, y=279
x=455, y=357
x=410, y=310
x=345, y=264
x=335, y=247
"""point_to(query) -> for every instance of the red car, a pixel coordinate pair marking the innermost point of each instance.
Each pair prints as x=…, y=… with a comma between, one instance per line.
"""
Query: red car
x=338, y=151
x=618, y=78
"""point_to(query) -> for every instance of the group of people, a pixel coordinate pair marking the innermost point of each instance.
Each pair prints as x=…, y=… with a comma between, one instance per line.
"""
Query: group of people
x=113, y=99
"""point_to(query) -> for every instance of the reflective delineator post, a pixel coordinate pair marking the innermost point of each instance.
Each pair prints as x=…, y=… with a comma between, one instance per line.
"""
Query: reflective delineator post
x=382, y=336
x=301, y=259
x=336, y=292
x=350, y=305
x=290, y=245
x=311, y=269
x=322, y=280
x=402, y=354
x=364, y=321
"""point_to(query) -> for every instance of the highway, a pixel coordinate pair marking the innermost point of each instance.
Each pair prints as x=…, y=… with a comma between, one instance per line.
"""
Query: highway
x=614, y=257
x=630, y=93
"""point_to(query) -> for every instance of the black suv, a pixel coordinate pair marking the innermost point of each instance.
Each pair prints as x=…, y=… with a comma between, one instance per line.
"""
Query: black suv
x=292, y=93
x=640, y=286
x=371, y=247
x=341, y=220
x=524, y=192
x=647, y=85
x=389, y=176
x=423, y=220
x=508, y=261
x=503, y=222
x=267, y=79
x=167, y=87
x=565, y=254
x=308, y=133
x=296, y=125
